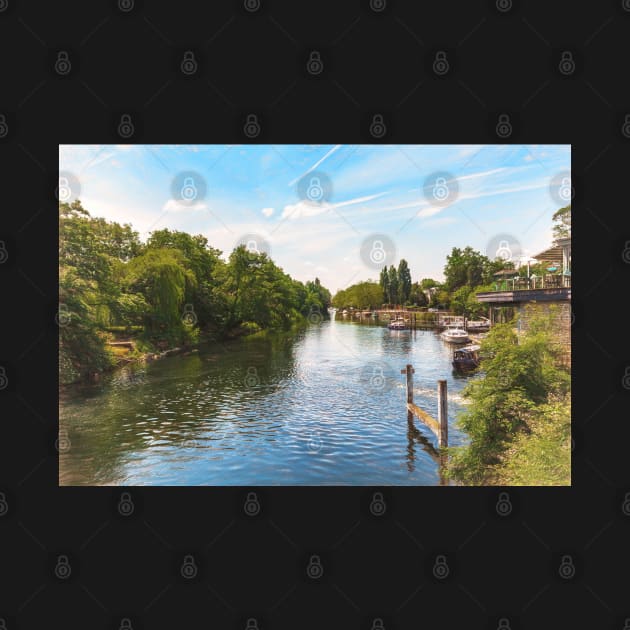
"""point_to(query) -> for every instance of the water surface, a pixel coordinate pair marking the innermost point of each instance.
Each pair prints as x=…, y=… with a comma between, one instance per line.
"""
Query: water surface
x=324, y=406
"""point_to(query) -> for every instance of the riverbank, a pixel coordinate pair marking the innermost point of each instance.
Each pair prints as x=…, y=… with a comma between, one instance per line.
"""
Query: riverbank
x=519, y=416
x=137, y=350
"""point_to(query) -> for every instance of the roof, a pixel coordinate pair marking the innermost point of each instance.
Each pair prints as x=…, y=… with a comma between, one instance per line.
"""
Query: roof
x=506, y=272
x=554, y=253
x=551, y=255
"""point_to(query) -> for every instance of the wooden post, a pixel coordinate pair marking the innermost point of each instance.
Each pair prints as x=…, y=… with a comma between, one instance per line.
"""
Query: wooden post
x=442, y=415
x=409, y=372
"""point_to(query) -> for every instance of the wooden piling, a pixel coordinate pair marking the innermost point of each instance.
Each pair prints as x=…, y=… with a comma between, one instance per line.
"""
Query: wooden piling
x=439, y=426
x=442, y=415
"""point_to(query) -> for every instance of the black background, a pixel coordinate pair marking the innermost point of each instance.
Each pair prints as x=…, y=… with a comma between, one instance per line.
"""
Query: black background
x=255, y=62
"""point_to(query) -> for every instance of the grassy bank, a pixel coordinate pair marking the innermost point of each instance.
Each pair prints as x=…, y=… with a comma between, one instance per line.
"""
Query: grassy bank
x=519, y=416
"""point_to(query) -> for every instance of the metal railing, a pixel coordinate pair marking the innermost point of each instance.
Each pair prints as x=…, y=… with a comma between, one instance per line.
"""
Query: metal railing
x=548, y=281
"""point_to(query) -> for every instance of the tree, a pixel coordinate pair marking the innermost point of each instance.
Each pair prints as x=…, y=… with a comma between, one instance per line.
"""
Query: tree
x=562, y=222
x=428, y=283
x=384, y=282
x=417, y=295
x=404, y=281
x=393, y=285
x=468, y=267
x=162, y=277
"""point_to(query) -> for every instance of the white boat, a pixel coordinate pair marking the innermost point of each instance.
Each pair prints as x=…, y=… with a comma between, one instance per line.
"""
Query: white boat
x=455, y=335
x=397, y=324
x=480, y=325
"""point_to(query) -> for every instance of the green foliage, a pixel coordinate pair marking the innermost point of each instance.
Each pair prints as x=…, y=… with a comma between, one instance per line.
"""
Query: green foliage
x=522, y=375
x=394, y=287
x=384, y=283
x=363, y=295
x=417, y=296
x=109, y=280
x=404, y=281
x=467, y=267
x=562, y=222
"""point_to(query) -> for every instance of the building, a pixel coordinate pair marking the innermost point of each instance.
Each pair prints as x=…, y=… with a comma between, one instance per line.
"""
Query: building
x=512, y=295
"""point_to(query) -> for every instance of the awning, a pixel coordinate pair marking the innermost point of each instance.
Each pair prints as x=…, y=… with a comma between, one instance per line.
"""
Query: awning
x=551, y=255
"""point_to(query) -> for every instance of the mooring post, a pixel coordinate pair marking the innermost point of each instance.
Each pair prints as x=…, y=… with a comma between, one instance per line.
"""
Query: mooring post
x=409, y=372
x=442, y=415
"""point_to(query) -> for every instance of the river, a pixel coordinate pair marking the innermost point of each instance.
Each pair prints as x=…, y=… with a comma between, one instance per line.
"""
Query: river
x=322, y=406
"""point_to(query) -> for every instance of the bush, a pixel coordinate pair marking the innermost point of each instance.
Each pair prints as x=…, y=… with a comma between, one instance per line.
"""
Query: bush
x=523, y=389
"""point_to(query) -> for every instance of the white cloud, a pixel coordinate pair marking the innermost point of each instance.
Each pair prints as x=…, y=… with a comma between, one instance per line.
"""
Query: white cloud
x=335, y=148
x=178, y=206
x=305, y=209
x=267, y=211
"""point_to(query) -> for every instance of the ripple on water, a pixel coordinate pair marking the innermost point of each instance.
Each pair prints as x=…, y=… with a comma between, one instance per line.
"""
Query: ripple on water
x=317, y=415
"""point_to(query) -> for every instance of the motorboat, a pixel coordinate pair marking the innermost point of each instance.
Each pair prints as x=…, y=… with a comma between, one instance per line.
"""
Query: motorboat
x=455, y=335
x=480, y=325
x=466, y=358
x=397, y=324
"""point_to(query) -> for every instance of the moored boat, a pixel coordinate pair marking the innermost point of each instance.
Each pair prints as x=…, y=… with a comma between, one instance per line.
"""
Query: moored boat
x=466, y=358
x=455, y=335
x=397, y=324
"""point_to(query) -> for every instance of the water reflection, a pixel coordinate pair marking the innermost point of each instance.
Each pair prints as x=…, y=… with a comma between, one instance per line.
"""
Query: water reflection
x=245, y=413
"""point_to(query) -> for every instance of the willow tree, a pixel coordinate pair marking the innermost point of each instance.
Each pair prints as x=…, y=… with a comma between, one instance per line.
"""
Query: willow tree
x=162, y=277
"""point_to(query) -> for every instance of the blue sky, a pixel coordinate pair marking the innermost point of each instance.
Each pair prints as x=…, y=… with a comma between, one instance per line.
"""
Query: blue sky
x=374, y=189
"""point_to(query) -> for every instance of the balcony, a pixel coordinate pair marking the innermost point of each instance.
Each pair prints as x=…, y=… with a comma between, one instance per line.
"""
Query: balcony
x=548, y=288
